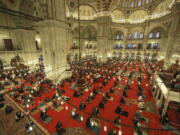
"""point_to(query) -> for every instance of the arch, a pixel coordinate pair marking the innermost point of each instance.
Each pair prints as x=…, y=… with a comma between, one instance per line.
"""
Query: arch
x=155, y=30
x=86, y=12
x=35, y=8
x=118, y=14
x=68, y=13
x=89, y=32
x=118, y=35
x=138, y=16
x=76, y=31
x=160, y=9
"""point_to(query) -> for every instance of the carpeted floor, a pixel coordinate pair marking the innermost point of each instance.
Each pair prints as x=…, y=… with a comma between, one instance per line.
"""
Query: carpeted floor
x=108, y=113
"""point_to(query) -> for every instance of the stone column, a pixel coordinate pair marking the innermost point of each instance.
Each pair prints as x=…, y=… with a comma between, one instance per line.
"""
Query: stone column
x=26, y=40
x=103, y=37
x=53, y=32
x=170, y=41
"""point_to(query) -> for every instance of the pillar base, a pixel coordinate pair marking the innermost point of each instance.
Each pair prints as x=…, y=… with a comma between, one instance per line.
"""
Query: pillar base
x=59, y=74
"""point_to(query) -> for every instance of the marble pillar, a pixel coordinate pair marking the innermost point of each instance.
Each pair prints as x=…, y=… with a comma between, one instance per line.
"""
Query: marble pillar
x=53, y=33
x=171, y=41
x=103, y=37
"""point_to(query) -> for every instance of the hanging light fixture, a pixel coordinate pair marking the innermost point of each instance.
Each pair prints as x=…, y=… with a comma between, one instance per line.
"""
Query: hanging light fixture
x=79, y=31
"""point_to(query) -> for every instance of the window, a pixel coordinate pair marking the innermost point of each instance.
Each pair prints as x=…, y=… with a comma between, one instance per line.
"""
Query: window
x=119, y=37
x=157, y=35
x=135, y=35
x=140, y=46
x=130, y=36
x=148, y=46
x=155, y=46
x=139, y=3
x=150, y=35
x=129, y=46
x=134, y=46
x=147, y=1
x=141, y=36
x=132, y=4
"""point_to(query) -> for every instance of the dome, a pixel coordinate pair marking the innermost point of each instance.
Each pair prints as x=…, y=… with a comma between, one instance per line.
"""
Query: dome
x=86, y=12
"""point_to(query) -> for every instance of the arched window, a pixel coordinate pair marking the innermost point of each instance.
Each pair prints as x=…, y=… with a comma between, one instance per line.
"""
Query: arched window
x=157, y=35
x=130, y=36
x=132, y=4
x=119, y=37
x=155, y=46
x=139, y=3
x=150, y=35
x=135, y=35
x=134, y=46
x=141, y=36
x=129, y=46
x=148, y=46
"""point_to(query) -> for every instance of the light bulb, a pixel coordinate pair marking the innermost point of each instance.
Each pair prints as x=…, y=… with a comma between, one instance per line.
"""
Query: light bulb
x=120, y=132
x=62, y=102
x=105, y=128
x=66, y=107
x=82, y=118
x=30, y=128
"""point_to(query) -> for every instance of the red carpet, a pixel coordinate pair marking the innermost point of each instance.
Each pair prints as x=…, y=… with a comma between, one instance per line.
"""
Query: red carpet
x=109, y=111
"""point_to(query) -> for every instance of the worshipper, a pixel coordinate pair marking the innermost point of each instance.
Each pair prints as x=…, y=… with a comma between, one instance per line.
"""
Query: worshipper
x=2, y=98
x=107, y=95
x=43, y=115
x=118, y=110
x=59, y=128
x=139, y=116
x=117, y=120
x=19, y=115
x=95, y=111
x=101, y=104
x=88, y=121
x=8, y=109
x=76, y=94
x=82, y=106
x=112, y=132
x=122, y=101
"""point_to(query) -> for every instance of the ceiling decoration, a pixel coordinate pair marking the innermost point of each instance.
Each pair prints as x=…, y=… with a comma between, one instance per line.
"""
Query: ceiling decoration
x=86, y=12
x=138, y=16
x=34, y=7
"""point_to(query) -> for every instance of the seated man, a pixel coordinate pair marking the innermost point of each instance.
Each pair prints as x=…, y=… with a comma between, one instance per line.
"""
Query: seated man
x=88, y=99
x=111, y=90
x=122, y=101
x=112, y=132
x=19, y=115
x=95, y=111
x=139, y=116
x=117, y=121
x=43, y=115
x=82, y=106
x=1, y=98
x=59, y=128
x=76, y=94
x=107, y=95
x=118, y=110
x=101, y=104
x=8, y=109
